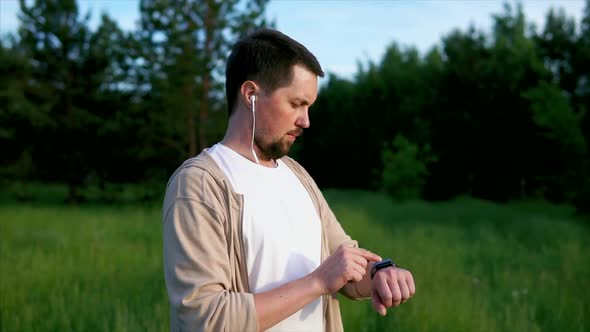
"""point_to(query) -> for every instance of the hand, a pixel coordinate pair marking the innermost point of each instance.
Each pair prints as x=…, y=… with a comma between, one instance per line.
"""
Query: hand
x=390, y=288
x=344, y=265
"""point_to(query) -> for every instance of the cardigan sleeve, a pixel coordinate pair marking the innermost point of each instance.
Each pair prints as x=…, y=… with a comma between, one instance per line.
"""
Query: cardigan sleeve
x=196, y=262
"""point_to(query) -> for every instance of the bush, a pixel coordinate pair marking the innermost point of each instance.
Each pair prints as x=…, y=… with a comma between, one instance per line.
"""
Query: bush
x=404, y=168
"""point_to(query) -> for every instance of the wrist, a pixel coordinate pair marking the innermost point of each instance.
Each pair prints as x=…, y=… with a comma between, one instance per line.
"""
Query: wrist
x=316, y=284
x=386, y=263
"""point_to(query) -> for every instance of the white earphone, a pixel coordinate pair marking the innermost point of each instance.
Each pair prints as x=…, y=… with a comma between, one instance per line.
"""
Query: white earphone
x=253, y=99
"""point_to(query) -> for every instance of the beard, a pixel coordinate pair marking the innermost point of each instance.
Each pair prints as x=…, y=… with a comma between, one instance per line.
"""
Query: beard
x=277, y=148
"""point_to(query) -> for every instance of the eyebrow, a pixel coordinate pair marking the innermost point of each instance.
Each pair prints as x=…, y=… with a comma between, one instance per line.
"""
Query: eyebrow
x=302, y=101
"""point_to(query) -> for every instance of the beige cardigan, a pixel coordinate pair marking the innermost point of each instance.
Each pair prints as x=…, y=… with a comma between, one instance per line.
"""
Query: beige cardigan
x=204, y=260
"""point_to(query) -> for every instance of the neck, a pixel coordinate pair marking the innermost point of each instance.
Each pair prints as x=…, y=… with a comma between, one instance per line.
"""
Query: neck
x=238, y=137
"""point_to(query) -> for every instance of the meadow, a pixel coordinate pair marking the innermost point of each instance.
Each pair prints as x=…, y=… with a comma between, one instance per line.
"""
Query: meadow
x=478, y=266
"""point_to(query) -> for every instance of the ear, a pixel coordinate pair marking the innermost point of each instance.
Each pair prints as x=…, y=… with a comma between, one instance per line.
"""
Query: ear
x=247, y=91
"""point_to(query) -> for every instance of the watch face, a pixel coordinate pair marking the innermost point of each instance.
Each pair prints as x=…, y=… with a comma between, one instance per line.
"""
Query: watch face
x=385, y=262
x=381, y=265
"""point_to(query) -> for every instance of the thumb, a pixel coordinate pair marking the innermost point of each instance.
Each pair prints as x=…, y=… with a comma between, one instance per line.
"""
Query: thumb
x=377, y=305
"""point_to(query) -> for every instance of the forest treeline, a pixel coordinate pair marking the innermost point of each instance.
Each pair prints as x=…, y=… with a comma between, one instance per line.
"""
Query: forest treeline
x=499, y=114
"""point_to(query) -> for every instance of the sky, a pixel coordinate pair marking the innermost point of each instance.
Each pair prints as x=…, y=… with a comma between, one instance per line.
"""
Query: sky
x=343, y=32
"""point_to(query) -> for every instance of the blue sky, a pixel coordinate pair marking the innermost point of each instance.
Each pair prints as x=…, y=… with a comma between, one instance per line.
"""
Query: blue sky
x=342, y=32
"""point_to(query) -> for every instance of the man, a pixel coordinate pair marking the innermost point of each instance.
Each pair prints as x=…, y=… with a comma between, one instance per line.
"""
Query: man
x=250, y=243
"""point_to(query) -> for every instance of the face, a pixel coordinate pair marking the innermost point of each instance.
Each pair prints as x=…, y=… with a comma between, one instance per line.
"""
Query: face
x=283, y=114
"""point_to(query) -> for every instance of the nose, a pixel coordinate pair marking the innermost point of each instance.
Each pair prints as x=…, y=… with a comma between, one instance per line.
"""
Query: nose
x=303, y=119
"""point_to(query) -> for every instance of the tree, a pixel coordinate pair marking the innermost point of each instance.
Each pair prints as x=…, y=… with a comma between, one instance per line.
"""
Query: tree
x=18, y=117
x=566, y=147
x=560, y=107
x=185, y=43
x=68, y=67
x=405, y=168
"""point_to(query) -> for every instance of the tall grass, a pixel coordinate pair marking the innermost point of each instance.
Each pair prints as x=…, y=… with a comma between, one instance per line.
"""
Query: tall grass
x=81, y=269
x=477, y=266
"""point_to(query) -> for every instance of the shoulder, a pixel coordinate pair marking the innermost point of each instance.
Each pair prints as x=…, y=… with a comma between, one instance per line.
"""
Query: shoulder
x=198, y=178
x=297, y=168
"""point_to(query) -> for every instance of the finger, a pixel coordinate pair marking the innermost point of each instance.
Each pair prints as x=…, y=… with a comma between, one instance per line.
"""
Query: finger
x=362, y=256
x=405, y=291
x=384, y=291
x=368, y=255
x=411, y=285
x=355, y=276
x=360, y=268
x=377, y=305
x=354, y=272
x=396, y=294
x=360, y=260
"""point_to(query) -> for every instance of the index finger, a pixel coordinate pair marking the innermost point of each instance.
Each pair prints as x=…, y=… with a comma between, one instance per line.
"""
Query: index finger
x=368, y=255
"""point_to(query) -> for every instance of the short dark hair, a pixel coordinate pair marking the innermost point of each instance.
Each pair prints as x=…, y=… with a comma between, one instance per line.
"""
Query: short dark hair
x=266, y=56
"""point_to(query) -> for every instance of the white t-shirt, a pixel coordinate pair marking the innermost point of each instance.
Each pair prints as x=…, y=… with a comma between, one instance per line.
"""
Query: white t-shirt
x=281, y=230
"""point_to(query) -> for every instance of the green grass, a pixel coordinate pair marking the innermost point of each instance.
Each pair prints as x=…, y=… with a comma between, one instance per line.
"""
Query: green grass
x=477, y=266
x=81, y=269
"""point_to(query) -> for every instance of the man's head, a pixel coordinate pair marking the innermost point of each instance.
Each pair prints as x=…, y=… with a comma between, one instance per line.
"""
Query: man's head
x=282, y=75
x=267, y=57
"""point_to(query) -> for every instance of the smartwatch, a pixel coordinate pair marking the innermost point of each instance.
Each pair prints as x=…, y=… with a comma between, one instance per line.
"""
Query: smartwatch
x=381, y=265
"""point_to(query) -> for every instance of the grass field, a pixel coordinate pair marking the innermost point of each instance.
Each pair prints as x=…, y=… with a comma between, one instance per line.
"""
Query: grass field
x=478, y=266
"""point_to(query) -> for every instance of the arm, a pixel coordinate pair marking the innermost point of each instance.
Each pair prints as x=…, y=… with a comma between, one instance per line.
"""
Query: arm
x=277, y=304
x=336, y=236
x=391, y=286
x=346, y=264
